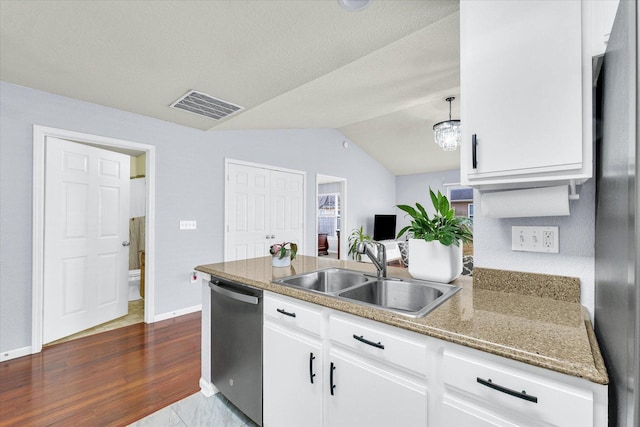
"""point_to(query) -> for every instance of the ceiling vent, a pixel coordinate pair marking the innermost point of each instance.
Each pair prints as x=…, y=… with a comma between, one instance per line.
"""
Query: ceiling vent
x=204, y=105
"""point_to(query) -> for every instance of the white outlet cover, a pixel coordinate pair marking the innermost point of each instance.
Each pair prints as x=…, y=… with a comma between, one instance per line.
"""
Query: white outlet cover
x=535, y=239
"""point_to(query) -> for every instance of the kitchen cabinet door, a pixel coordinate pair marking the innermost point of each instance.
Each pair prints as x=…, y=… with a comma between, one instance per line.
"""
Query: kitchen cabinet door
x=293, y=380
x=484, y=387
x=365, y=395
x=457, y=413
x=522, y=91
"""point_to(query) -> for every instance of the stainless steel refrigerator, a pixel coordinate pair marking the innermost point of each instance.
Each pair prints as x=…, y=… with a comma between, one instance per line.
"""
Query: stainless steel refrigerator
x=617, y=304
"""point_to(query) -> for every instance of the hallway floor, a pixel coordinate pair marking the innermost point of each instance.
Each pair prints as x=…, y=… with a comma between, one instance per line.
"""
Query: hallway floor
x=135, y=315
x=112, y=378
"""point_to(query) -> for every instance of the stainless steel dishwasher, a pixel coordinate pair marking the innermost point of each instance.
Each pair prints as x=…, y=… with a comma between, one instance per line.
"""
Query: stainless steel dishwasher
x=236, y=344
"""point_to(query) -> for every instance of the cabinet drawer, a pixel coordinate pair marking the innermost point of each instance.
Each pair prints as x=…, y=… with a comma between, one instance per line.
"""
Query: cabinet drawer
x=510, y=391
x=379, y=343
x=293, y=313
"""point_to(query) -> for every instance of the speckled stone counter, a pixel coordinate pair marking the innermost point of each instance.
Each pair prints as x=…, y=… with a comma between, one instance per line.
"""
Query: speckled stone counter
x=505, y=313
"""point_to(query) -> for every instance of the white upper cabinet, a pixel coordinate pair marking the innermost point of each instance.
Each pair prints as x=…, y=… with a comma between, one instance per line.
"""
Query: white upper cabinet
x=526, y=93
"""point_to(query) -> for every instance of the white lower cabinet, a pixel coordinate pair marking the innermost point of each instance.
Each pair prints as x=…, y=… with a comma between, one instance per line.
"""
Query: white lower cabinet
x=480, y=389
x=363, y=394
x=292, y=379
x=456, y=412
x=327, y=368
x=364, y=374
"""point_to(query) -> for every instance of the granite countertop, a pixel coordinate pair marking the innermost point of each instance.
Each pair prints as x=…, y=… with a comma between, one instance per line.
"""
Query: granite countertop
x=533, y=318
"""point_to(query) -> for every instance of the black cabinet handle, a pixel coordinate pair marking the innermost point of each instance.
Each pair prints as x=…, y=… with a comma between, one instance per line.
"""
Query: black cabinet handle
x=474, y=150
x=521, y=395
x=311, y=374
x=366, y=341
x=286, y=313
x=331, y=385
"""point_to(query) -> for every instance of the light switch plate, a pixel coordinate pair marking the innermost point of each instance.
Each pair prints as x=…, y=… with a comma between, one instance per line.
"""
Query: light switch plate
x=187, y=225
x=535, y=239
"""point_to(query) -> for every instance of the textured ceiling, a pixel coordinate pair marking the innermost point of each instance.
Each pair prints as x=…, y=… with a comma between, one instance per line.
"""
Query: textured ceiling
x=379, y=75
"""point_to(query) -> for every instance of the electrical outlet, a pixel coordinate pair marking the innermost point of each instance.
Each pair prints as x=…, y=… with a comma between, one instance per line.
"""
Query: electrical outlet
x=535, y=239
x=188, y=225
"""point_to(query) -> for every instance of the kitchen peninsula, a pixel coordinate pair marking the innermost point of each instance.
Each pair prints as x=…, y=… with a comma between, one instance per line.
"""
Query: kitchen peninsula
x=505, y=325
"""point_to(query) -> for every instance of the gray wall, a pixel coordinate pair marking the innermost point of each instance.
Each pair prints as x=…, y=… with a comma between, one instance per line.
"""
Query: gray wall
x=189, y=171
x=331, y=187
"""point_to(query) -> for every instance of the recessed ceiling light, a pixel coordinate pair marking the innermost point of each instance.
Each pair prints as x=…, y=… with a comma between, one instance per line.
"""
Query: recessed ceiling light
x=354, y=5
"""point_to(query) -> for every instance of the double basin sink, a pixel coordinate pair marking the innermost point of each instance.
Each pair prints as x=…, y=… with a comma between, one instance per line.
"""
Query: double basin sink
x=409, y=297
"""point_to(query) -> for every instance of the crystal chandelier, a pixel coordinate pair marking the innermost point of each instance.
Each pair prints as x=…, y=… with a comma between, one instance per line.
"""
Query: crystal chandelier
x=447, y=134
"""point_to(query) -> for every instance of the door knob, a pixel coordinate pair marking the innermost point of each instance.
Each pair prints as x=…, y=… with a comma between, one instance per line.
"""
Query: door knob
x=125, y=243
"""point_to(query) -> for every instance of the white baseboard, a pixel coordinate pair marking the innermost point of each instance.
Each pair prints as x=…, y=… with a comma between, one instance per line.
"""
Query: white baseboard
x=14, y=354
x=181, y=312
x=207, y=388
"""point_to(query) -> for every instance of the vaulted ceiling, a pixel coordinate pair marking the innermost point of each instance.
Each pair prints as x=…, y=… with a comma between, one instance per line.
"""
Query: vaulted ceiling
x=379, y=75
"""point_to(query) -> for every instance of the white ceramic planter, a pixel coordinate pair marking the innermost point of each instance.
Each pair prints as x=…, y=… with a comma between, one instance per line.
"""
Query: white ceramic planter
x=433, y=261
x=281, y=262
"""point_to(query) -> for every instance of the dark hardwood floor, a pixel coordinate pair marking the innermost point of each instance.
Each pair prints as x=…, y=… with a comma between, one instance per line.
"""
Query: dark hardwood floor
x=109, y=379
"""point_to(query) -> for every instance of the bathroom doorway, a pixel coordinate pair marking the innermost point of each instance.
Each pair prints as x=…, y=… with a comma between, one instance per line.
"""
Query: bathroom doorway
x=331, y=216
x=136, y=266
x=146, y=273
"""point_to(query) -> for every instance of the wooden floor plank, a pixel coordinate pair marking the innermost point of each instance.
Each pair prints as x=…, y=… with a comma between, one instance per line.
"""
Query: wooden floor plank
x=113, y=378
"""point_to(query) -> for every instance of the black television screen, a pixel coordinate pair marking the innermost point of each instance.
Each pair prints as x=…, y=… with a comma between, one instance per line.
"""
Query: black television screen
x=384, y=227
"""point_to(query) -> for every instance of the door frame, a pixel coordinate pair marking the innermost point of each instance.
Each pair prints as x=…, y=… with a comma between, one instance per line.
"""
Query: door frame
x=227, y=161
x=343, y=210
x=40, y=133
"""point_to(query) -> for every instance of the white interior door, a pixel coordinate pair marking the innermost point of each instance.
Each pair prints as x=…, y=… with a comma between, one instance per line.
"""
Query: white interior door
x=262, y=206
x=86, y=236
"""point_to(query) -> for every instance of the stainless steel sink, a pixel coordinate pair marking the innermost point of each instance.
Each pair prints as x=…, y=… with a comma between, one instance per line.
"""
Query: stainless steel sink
x=414, y=298
x=327, y=281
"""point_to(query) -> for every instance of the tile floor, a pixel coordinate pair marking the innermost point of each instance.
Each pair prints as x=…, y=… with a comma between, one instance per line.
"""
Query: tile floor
x=198, y=410
x=135, y=315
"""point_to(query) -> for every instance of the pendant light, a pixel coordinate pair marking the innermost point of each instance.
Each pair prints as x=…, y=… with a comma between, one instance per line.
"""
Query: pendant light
x=447, y=134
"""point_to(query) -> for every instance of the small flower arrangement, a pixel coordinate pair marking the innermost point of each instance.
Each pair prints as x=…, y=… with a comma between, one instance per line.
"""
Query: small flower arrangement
x=280, y=249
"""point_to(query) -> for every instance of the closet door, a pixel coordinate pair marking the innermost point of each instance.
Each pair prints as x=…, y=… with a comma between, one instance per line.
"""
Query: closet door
x=262, y=206
x=287, y=207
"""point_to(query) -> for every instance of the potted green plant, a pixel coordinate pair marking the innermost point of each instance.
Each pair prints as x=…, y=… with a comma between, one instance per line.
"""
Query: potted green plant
x=283, y=253
x=435, y=243
x=357, y=235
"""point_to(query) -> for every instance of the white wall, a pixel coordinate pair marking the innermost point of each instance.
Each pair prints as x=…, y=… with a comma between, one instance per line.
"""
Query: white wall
x=190, y=185
x=492, y=243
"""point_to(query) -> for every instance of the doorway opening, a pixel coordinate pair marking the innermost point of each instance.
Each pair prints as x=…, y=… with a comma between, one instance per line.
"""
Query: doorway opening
x=331, y=216
x=142, y=153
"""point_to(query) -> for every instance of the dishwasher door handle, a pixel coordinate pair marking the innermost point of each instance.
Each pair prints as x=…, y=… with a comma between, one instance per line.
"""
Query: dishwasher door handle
x=249, y=299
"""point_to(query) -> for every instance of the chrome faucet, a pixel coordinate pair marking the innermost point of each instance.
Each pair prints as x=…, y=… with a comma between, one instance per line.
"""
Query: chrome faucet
x=379, y=259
